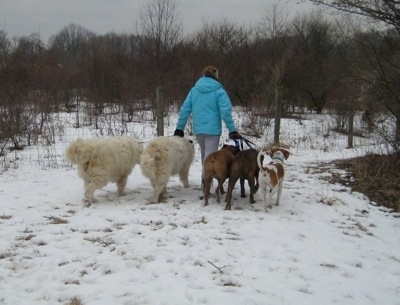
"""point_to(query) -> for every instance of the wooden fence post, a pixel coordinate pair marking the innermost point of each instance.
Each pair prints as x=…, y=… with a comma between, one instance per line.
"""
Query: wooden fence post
x=350, y=131
x=159, y=112
x=278, y=107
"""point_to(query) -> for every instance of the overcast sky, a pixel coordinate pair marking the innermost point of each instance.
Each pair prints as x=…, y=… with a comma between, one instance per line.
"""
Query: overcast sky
x=48, y=17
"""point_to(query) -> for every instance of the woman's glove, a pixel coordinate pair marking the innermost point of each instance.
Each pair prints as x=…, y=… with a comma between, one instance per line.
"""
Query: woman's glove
x=234, y=135
x=179, y=133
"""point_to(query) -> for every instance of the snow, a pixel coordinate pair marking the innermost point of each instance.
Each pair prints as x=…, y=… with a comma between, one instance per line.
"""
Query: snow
x=324, y=244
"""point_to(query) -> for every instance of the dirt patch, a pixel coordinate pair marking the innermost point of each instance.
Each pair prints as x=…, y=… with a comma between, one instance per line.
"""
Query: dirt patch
x=376, y=176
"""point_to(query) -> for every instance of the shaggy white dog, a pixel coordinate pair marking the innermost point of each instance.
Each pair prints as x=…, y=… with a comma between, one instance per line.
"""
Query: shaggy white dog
x=164, y=157
x=104, y=160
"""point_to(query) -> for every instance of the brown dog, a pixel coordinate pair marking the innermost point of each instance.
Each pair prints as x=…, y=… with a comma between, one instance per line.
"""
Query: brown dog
x=217, y=165
x=244, y=167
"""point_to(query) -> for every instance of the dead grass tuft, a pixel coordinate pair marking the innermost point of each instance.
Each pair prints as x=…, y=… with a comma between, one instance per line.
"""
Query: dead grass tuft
x=376, y=176
x=26, y=238
x=4, y=255
x=104, y=241
x=56, y=220
x=75, y=301
x=75, y=282
x=329, y=266
x=202, y=220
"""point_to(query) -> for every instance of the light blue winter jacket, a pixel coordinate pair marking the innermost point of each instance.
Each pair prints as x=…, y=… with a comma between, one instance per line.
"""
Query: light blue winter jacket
x=208, y=103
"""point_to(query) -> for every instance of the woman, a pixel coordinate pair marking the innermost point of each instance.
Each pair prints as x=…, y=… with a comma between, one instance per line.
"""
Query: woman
x=209, y=105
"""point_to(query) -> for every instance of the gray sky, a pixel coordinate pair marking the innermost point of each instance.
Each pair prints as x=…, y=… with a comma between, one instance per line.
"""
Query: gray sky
x=48, y=17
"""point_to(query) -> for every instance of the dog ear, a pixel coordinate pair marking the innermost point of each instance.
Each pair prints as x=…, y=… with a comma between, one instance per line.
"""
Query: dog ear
x=271, y=151
x=267, y=150
x=285, y=152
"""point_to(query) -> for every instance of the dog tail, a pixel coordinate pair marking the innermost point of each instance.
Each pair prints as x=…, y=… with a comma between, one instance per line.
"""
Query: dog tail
x=146, y=160
x=259, y=162
x=79, y=151
x=150, y=155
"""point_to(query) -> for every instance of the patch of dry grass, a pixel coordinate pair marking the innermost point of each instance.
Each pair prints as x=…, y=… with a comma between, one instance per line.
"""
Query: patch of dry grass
x=4, y=255
x=56, y=220
x=376, y=176
x=75, y=301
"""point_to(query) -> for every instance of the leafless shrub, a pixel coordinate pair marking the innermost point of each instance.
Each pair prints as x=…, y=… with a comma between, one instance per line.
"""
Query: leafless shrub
x=256, y=121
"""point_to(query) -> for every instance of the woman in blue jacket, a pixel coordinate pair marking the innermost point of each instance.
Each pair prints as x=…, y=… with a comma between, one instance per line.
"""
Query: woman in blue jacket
x=209, y=105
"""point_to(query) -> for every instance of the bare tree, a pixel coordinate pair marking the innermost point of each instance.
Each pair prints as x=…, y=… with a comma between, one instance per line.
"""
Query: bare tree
x=69, y=48
x=222, y=44
x=71, y=41
x=160, y=26
x=274, y=21
x=4, y=45
x=317, y=53
x=386, y=11
x=274, y=29
x=159, y=23
x=20, y=76
x=381, y=53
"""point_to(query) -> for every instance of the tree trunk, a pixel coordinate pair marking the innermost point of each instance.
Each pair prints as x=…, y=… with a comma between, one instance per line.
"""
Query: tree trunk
x=160, y=112
x=278, y=107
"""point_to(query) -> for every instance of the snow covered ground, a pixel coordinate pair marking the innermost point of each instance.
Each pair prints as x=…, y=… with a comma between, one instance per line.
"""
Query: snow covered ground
x=323, y=245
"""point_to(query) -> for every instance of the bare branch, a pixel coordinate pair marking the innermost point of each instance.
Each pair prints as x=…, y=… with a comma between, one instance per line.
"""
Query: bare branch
x=386, y=11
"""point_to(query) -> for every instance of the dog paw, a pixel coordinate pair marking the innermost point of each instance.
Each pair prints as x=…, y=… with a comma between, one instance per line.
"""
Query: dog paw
x=267, y=207
x=256, y=187
x=87, y=202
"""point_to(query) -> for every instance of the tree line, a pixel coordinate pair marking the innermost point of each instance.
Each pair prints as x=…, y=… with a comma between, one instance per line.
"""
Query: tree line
x=310, y=62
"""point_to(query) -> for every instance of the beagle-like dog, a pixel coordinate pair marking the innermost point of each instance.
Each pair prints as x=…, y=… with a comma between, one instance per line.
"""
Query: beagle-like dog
x=272, y=175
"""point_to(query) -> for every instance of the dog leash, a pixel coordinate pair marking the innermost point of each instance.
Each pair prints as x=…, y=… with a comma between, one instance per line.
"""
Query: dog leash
x=239, y=142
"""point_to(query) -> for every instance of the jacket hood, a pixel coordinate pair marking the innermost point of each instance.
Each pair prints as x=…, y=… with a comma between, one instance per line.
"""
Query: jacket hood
x=207, y=84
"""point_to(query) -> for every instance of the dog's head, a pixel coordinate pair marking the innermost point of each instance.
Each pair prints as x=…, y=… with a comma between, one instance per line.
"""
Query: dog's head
x=279, y=152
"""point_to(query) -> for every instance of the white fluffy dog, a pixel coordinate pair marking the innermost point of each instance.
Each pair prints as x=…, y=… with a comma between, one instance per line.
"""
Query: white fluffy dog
x=104, y=160
x=164, y=157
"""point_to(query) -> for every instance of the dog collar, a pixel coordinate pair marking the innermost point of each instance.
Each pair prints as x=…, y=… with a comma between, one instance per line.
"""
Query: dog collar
x=278, y=158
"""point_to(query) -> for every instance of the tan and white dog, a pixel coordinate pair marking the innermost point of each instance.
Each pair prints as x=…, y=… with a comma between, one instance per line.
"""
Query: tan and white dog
x=272, y=175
